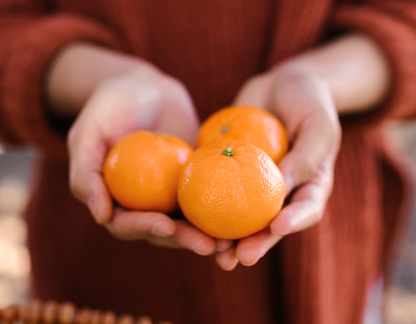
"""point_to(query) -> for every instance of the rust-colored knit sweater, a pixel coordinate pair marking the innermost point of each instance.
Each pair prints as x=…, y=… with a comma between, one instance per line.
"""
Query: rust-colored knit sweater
x=319, y=276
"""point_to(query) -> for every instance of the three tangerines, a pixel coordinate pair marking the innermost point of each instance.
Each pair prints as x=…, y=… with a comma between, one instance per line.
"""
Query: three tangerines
x=229, y=188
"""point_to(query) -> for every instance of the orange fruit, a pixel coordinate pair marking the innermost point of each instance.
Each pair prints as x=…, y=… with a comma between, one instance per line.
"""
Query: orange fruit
x=142, y=170
x=230, y=189
x=246, y=123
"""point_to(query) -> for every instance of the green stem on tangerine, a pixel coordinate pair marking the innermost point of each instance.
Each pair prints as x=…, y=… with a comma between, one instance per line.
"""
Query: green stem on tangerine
x=225, y=129
x=228, y=152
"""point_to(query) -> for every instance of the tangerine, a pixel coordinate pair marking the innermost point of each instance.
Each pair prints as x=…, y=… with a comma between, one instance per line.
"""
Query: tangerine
x=247, y=123
x=230, y=189
x=142, y=170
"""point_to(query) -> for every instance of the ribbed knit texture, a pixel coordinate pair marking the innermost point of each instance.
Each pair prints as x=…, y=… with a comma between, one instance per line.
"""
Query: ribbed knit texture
x=318, y=276
x=29, y=40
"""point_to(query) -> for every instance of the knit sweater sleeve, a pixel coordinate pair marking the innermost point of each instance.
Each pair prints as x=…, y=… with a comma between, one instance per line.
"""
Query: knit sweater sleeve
x=30, y=37
x=393, y=25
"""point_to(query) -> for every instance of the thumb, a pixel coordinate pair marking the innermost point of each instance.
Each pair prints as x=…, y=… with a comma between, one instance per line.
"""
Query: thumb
x=254, y=92
x=87, y=152
x=317, y=140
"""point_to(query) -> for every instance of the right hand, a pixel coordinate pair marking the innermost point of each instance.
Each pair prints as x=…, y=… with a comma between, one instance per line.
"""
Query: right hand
x=139, y=98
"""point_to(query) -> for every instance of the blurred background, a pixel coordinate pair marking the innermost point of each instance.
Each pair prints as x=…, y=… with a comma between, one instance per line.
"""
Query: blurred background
x=400, y=301
x=14, y=256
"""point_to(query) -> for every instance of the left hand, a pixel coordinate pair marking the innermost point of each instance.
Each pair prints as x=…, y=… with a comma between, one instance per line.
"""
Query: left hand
x=113, y=94
x=304, y=104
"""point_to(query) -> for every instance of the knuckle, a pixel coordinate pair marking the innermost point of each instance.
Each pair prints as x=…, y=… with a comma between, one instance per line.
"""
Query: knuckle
x=334, y=129
x=74, y=184
x=322, y=182
x=329, y=132
x=325, y=173
x=316, y=212
x=305, y=170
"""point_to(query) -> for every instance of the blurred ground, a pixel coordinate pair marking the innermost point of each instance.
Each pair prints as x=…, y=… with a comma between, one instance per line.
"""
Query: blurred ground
x=401, y=298
x=15, y=166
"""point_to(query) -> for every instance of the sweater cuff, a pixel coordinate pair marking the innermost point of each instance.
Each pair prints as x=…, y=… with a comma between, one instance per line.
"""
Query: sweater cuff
x=28, y=57
x=397, y=37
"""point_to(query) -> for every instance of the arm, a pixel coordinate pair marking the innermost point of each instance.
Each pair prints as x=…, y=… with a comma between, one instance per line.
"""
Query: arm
x=391, y=24
x=79, y=69
x=354, y=67
x=31, y=39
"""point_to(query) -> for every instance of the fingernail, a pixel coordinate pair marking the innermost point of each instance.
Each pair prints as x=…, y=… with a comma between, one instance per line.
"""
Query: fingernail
x=249, y=264
x=288, y=184
x=92, y=204
x=160, y=233
x=287, y=232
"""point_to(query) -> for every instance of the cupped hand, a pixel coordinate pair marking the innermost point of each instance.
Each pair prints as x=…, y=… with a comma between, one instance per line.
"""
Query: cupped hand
x=303, y=103
x=138, y=99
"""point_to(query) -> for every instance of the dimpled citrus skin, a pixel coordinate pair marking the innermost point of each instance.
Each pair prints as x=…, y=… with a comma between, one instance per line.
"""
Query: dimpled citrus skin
x=142, y=170
x=230, y=197
x=246, y=123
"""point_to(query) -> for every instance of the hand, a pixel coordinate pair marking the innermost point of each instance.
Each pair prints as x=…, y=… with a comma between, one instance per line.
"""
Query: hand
x=139, y=97
x=349, y=75
x=304, y=104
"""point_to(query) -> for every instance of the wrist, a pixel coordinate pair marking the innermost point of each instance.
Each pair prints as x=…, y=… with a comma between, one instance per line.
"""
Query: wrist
x=79, y=69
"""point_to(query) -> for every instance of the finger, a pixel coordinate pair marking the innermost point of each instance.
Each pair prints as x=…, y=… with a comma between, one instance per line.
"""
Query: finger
x=133, y=225
x=144, y=320
x=227, y=260
x=186, y=237
x=224, y=245
x=88, y=141
x=307, y=109
x=316, y=140
x=193, y=239
x=87, y=153
x=254, y=92
x=250, y=249
x=158, y=229
x=307, y=205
